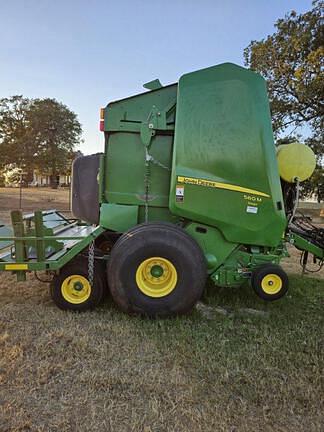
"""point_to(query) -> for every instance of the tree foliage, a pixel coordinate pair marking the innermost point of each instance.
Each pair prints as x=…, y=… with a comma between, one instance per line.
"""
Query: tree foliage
x=292, y=62
x=16, y=142
x=38, y=133
x=57, y=132
x=12, y=175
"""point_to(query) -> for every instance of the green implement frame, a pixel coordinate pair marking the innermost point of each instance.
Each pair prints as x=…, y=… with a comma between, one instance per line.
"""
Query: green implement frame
x=303, y=244
x=42, y=241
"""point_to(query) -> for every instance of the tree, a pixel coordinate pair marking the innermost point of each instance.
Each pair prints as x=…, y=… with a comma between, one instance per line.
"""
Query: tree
x=16, y=142
x=57, y=132
x=38, y=133
x=292, y=60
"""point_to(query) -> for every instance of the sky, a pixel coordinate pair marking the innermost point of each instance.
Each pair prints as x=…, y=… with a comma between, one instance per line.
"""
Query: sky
x=86, y=53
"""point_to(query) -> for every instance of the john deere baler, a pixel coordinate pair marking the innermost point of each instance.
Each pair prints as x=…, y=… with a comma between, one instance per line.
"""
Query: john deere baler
x=188, y=187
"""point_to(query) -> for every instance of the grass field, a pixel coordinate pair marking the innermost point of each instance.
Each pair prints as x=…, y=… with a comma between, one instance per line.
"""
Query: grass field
x=235, y=364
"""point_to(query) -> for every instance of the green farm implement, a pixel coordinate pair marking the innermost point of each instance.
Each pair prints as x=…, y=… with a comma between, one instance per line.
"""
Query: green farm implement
x=190, y=186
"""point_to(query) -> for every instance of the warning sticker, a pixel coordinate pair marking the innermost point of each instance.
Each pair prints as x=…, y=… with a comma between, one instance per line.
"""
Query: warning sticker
x=252, y=209
x=179, y=193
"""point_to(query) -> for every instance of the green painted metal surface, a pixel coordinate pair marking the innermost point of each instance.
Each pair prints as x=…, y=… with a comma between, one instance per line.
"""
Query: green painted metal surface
x=125, y=172
x=223, y=169
x=118, y=217
x=224, y=156
x=239, y=265
x=215, y=247
x=138, y=148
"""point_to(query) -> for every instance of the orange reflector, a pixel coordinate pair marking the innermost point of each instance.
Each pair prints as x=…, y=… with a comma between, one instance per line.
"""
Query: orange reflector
x=102, y=120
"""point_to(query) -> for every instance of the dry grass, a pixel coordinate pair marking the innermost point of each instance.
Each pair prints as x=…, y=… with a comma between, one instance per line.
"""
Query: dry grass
x=32, y=199
x=104, y=371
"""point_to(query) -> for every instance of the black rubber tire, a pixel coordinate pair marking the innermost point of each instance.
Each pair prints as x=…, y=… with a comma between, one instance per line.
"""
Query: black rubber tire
x=264, y=270
x=167, y=241
x=79, y=266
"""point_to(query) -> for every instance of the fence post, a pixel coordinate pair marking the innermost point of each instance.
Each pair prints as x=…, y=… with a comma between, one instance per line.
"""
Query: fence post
x=20, y=250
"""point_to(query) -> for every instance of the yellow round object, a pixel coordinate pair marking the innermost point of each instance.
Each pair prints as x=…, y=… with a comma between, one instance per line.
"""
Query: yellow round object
x=156, y=277
x=76, y=289
x=271, y=283
x=295, y=161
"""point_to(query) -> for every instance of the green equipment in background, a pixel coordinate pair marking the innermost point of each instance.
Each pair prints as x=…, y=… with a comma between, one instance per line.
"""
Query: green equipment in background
x=188, y=188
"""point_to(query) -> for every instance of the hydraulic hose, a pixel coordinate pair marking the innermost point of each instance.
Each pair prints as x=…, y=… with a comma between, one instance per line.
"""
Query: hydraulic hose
x=296, y=202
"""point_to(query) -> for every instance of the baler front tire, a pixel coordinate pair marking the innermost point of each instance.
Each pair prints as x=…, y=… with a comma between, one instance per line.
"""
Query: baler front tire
x=156, y=270
x=75, y=274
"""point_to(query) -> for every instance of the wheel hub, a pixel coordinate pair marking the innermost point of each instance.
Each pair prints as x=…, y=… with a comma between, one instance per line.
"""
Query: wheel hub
x=271, y=283
x=157, y=271
x=78, y=286
x=76, y=289
x=156, y=277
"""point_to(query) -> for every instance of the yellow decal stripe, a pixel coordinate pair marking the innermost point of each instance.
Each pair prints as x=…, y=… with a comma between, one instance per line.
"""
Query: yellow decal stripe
x=16, y=267
x=218, y=185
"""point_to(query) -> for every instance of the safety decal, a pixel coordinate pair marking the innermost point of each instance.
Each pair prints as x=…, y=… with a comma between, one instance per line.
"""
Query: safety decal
x=179, y=193
x=251, y=209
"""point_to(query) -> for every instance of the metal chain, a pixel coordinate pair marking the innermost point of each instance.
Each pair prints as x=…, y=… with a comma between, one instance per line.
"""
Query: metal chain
x=158, y=163
x=91, y=262
x=148, y=159
x=147, y=182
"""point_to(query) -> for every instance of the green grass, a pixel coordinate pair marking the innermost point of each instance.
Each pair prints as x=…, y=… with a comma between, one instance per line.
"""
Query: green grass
x=105, y=371
x=253, y=372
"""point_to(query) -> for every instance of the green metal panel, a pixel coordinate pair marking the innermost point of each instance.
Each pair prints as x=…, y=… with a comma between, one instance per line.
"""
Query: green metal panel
x=128, y=114
x=125, y=170
x=215, y=247
x=139, y=137
x=158, y=214
x=224, y=161
x=117, y=217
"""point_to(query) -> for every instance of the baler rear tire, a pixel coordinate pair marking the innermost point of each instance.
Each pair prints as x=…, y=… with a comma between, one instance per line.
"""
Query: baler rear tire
x=156, y=245
x=270, y=282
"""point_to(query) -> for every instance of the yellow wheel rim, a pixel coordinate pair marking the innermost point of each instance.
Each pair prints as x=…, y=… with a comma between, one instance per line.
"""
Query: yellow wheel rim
x=271, y=283
x=76, y=289
x=156, y=277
